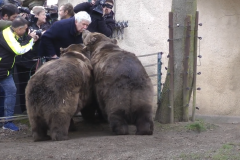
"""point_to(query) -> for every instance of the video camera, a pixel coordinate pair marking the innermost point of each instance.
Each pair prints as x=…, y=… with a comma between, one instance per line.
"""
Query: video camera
x=52, y=15
x=18, y=5
x=99, y=6
x=23, y=9
x=20, y=8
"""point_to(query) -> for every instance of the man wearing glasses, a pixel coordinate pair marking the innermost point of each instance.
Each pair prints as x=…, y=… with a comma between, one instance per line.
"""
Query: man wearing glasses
x=101, y=14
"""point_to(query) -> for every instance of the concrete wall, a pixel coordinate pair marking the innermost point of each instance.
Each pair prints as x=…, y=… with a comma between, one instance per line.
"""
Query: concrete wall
x=148, y=33
x=221, y=57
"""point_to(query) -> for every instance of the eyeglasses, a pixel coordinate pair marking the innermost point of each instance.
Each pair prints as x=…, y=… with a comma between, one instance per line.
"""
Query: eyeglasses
x=107, y=5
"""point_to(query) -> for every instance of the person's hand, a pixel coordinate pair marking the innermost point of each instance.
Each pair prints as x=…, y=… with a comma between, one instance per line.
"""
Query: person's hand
x=93, y=2
x=55, y=56
x=104, y=12
x=34, y=36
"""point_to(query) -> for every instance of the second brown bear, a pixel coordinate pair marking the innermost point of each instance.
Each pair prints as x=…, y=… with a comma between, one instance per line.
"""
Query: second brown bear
x=123, y=89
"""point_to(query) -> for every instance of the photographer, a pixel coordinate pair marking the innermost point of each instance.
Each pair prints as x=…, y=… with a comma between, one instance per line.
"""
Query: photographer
x=8, y=14
x=65, y=11
x=101, y=15
x=12, y=46
x=25, y=65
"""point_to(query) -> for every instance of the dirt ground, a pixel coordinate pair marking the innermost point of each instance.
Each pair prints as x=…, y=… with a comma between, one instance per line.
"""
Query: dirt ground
x=95, y=141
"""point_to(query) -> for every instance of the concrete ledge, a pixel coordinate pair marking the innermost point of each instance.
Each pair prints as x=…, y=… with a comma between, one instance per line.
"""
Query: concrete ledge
x=218, y=119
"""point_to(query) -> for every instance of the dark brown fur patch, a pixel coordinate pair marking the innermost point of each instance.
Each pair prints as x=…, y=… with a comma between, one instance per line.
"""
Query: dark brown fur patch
x=123, y=88
x=58, y=90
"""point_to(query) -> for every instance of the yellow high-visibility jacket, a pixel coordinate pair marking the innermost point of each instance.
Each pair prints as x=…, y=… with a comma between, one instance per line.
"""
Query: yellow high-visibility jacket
x=10, y=47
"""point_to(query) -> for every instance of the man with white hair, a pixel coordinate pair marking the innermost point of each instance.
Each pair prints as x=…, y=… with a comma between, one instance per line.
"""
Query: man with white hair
x=63, y=33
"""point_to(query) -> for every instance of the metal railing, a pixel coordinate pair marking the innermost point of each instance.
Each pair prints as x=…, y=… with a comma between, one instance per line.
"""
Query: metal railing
x=43, y=60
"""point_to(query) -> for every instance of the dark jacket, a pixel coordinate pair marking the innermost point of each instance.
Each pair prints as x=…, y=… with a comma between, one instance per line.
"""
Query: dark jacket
x=26, y=60
x=4, y=24
x=61, y=34
x=104, y=25
x=9, y=50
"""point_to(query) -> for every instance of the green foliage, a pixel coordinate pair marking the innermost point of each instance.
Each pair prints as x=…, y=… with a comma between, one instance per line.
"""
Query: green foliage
x=197, y=126
x=226, y=152
x=24, y=121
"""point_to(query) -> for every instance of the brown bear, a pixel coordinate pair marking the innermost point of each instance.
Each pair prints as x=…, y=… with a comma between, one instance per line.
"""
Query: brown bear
x=123, y=89
x=56, y=92
x=91, y=113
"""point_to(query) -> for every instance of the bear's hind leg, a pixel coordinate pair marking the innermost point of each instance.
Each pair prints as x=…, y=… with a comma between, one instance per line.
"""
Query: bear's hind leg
x=39, y=129
x=72, y=127
x=118, y=124
x=144, y=123
x=59, y=125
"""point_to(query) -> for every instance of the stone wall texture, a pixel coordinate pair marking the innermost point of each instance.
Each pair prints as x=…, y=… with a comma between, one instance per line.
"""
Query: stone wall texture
x=148, y=33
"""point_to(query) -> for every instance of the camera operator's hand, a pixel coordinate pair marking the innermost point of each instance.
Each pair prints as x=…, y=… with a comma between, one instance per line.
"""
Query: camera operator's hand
x=104, y=12
x=93, y=2
x=34, y=36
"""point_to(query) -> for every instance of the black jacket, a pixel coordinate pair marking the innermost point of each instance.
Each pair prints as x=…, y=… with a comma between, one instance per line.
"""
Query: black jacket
x=61, y=34
x=7, y=57
x=8, y=51
x=104, y=25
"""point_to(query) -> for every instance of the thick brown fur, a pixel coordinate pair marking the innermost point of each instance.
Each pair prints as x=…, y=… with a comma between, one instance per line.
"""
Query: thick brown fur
x=56, y=92
x=123, y=88
x=91, y=113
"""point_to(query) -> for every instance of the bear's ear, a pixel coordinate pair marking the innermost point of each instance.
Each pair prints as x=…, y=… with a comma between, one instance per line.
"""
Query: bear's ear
x=114, y=41
x=62, y=50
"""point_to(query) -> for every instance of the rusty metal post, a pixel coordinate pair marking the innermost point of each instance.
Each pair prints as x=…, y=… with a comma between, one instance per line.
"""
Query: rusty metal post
x=195, y=66
x=171, y=68
x=186, y=88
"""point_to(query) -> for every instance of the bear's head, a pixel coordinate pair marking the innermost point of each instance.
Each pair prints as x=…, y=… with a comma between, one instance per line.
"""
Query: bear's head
x=77, y=48
x=91, y=39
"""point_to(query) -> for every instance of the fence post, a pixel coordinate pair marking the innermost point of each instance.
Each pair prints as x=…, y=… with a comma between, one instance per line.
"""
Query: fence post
x=195, y=67
x=186, y=73
x=159, y=76
x=171, y=68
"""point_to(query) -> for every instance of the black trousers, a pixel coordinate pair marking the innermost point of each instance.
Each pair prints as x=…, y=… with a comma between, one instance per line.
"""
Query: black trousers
x=22, y=76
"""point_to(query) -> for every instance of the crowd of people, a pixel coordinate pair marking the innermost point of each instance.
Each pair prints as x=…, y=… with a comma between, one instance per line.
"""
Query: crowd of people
x=21, y=44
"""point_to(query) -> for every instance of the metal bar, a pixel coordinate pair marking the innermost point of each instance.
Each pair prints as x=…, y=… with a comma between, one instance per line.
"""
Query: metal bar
x=150, y=65
x=171, y=68
x=186, y=68
x=152, y=75
x=159, y=77
x=195, y=66
x=145, y=55
x=13, y=118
